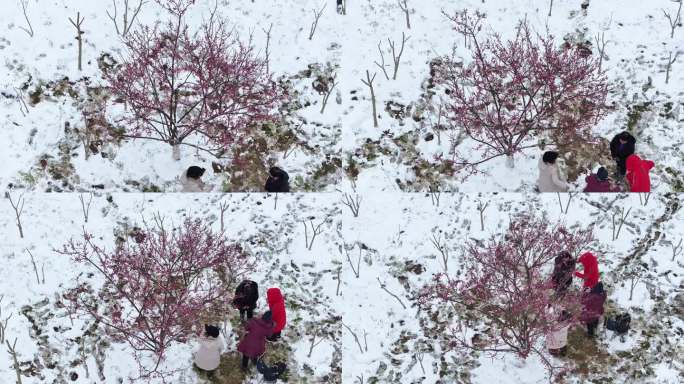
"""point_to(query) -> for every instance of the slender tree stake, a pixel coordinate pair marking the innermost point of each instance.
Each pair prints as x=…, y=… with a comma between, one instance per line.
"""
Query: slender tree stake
x=85, y=207
x=550, y=7
x=622, y=217
x=397, y=57
x=3, y=323
x=441, y=247
x=126, y=24
x=317, y=16
x=12, y=350
x=79, y=37
x=313, y=343
x=404, y=7
x=30, y=27
x=35, y=268
x=356, y=270
x=353, y=202
x=369, y=83
x=435, y=194
x=481, y=208
x=315, y=229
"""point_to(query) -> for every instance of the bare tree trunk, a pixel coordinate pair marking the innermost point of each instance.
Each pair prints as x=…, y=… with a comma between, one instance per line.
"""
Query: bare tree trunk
x=676, y=20
x=404, y=7
x=550, y=7
x=397, y=57
x=79, y=37
x=670, y=60
x=317, y=16
x=28, y=30
x=369, y=83
x=11, y=349
x=126, y=23
x=18, y=209
x=333, y=83
x=268, y=48
x=481, y=208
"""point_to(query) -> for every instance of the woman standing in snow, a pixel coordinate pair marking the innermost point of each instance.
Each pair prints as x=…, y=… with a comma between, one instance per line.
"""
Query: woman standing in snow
x=246, y=296
x=276, y=304
x=208, y=356
x=563, y=267
x=592, y=303
x=191, y=180
x=549, y=177
x=253, y=344
x=557, y=337
x=278, y=181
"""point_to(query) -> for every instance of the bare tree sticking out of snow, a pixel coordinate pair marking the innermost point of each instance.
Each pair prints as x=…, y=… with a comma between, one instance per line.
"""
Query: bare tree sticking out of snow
x=344, y=248
x=621, y=217
x=314, y=24
x=675, y=21
x=356, y=338
x=267, y=52
x=670, y=60
x=383, y=286
x=397, y=56
x=550, y=7
x=18, y=209
x=79, y=38
x=481, y=208
x=435, y=194
x=126, y=23
x=677, y=249
x=382, y=64
x=442, y=248
x=35, y=268
x=3, y=323
x=601, y=47
x=326, y=95
x=313, y=341
x=30, y=27
x=315, y=231
x=369, y=83
x=353, y=202
x=85, y=207
x=404, y=7
x=12, y=350
x=567, y=204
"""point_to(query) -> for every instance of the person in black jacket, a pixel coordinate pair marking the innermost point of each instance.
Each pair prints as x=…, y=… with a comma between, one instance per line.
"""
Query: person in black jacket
x=278, y=181
x=621, y=147
x=246, y=296
x=563, y=269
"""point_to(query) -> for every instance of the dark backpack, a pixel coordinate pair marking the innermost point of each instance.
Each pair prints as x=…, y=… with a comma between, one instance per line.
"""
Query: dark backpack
x=620, y=323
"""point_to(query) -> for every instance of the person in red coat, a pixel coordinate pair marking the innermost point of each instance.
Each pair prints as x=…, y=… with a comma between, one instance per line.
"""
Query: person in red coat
x=253, y=343
x=637, y=174
x=276, y=304
x=599, y=182
x=590, y=275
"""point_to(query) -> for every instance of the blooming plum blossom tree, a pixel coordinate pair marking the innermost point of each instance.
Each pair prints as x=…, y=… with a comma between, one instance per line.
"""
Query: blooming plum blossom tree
x=504, y=295
x=177, y=84
x=157, y=284
x=518, y=89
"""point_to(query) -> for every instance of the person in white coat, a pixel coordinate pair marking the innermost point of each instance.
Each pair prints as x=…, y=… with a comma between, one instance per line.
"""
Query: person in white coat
x=557, y=336
x=549, y=177
x=208, y=356
x=191, y=180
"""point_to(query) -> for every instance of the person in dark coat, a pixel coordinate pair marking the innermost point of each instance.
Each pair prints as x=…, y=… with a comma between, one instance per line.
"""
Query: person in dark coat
x=276, y=304
x=563, y=268
x=271, y=373
x=278, y=181
x=590, y=275
x=592, y=307
x=621, y=147
x=245, y=299
x=253, y=344
x=599, y=182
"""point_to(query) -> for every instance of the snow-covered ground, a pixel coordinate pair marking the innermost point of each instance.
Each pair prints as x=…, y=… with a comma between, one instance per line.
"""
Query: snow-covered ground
x=47, y=341
x=401, y=344
x=396, y=155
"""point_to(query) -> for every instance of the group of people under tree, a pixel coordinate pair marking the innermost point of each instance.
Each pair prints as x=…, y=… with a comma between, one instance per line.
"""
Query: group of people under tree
x=593, y=297
x=257, y=332
x=629, y=166
x=191, y=180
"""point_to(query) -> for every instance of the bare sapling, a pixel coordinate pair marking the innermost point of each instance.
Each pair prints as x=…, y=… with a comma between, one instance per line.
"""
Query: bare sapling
x=315, y=231
x=619, y=218
x=28, y=30
x=316, y=339
x=441, y=247
x=601, y=47
x=128, y=17
x=567, y=204
x=676, y=249
x=35, y=268
x=384, y=288
x=356, y=269
x=670, y=60
x=404, y=7
x=12, y=350
x=676, y=20
x=481, y=208
x=79, y=38
x=331, y=86
x=267, y=54
x=356, y=338
x=382, y=64
x=3, y=323
x=646, y=197
x=85, y=206
x=369, y=83
x=396, y=57
x=550, y=7
x=18, y=207
x=314, y=25
x=435, y=194
x=353, y=202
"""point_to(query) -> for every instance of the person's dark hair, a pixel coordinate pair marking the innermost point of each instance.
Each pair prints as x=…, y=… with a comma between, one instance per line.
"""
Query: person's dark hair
x=211, y=330
x=195, y=172
x=275, y=172
x=602, y=174
x=562, y=256
x=550, y=157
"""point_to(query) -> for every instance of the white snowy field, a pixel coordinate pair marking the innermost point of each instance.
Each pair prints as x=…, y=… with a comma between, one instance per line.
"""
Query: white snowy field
x=401, y=344
x=47, y=341
x=396, y=155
